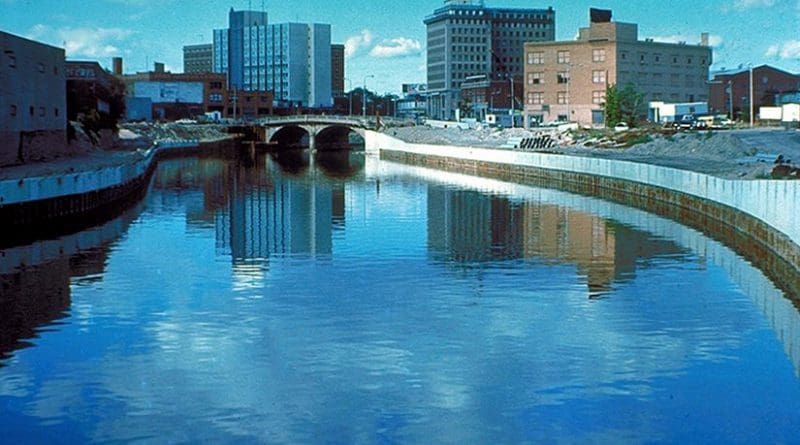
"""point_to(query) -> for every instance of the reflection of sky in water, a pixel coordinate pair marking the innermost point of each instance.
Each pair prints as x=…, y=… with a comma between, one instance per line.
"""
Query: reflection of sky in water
x=415, y=320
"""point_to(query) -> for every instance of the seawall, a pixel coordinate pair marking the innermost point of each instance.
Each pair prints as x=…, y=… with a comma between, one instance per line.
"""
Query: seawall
x=756, y=218
x=53, y=204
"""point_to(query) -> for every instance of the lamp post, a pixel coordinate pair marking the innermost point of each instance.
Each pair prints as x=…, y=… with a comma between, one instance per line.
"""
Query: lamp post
x=752, y=105
x=513, y=106
x=350, y=95
x=364, y=95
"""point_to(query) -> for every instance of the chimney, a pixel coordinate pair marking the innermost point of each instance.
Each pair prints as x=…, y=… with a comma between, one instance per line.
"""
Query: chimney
x=117, y=63
x=704, y=39
x=158, y=67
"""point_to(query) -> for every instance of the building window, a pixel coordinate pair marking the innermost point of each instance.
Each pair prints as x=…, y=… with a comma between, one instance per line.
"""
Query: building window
x=562, y=98
x=55, y=111
x=536, y=58
x=40, y=67
x=598, y=97
x=598, y=76
x=563, y=77
x=13, y=110
x=535, y=98
x=598, y=55
x=42, y=112
x=563, y=57
x=12, y=59
x=31, y=110
x=534, y=78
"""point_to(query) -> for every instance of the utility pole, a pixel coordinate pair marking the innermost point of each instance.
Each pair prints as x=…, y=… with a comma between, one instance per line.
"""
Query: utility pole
x=752, y=105
x=364, y=96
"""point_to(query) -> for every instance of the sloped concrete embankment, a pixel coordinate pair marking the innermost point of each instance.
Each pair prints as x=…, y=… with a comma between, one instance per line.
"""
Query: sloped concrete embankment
x=757, y=218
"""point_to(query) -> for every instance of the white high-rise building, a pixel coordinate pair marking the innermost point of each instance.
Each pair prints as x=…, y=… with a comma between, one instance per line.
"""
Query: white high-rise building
x=293, y=60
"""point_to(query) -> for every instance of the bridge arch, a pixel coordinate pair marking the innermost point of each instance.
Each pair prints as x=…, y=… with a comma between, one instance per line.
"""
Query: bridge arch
x=337, y=137
x=295, y=136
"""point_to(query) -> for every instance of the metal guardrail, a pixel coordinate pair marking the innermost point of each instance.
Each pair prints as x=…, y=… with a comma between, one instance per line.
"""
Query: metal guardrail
x=368, y=122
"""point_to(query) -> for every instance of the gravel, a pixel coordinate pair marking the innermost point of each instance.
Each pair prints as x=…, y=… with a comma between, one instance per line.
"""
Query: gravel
x=733, y=154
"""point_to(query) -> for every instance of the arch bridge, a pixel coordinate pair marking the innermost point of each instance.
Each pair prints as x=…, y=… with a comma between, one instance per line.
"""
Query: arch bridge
x=323, y=132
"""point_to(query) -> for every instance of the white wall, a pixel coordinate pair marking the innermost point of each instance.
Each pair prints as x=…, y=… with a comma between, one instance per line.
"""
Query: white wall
x=777, y=203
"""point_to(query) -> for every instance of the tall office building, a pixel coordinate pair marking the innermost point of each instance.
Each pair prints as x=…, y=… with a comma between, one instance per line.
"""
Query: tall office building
x=293, y=60
x=337, y=70
x=465, y=38
x=198, y=59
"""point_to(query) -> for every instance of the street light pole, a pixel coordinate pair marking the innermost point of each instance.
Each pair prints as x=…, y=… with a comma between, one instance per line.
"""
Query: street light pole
x=511, y=78
x=752, y=105
x=350, y=95
x=364, y=96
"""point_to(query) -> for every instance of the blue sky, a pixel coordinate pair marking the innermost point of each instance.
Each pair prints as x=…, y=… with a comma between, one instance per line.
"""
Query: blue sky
x=387, y=38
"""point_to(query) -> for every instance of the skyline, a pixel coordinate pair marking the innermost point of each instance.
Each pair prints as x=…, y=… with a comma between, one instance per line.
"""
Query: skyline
x=387, y=39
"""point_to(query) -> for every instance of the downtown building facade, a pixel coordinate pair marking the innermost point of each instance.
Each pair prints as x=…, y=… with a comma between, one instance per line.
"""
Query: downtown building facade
x=293, y=60
x=567, y=81
x=466, y=39
x=33, y=100
x=198, y=59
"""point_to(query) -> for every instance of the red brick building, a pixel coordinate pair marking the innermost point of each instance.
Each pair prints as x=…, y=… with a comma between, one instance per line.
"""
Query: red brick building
x=733, y=88
x=215, y=96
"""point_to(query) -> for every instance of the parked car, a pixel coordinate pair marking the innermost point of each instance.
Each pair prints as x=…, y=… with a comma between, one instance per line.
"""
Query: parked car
x=620, y=127
x=687, y=122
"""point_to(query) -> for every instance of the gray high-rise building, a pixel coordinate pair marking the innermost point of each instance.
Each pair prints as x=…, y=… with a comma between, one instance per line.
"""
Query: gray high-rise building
x=465, y=38
x=293, y=60
x=198, y=59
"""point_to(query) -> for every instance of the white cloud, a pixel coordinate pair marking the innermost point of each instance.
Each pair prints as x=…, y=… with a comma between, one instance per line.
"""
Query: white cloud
x=356, y=44
x=714, y=40
x=785, y=50
x=398, y=47
x=82, y=42
x=741, y=5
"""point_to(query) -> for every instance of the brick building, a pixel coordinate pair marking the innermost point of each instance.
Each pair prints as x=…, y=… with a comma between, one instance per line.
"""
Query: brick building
x=768, y=83
x=176, y=96
x=567, y=80
x=33, y=102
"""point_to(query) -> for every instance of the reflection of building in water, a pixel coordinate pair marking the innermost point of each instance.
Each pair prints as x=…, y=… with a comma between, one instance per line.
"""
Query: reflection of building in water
x=254, y=212
x=473, y=227
x=37, y=296
x=269, y=215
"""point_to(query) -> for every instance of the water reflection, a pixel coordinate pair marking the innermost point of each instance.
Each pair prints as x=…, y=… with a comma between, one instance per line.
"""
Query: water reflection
x=253, y=306
x=35, y=279
x=469, y=226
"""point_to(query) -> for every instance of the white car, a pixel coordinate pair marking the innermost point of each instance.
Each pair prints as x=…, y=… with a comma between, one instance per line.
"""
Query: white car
x=620, y=127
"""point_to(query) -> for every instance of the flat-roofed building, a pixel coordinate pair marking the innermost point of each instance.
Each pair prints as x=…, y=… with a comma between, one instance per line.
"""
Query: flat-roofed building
x=33, y=100
x=198, y=59
x=466, y=38
x=337, y=70
x=567, y=80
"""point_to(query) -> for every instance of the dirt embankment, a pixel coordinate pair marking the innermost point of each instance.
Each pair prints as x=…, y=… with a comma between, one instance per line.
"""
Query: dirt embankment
x=733, y=154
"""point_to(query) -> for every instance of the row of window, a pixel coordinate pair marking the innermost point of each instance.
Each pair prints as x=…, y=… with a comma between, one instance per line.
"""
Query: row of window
x=32, y=111
x=562, y=57
x=537, y=78
x=11, y=61
x=562, y=97
x=656, y=58
x=468, y=40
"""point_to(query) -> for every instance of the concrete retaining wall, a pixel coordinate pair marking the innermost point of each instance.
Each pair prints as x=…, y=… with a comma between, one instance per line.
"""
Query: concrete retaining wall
x=763, y=210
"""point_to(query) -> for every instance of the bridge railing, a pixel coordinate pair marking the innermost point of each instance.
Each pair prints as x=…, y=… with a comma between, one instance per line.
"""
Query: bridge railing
x=365, y=122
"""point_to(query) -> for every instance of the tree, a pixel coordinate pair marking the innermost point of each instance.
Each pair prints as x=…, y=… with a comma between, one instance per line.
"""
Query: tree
x=613, y=113
x=625, y=105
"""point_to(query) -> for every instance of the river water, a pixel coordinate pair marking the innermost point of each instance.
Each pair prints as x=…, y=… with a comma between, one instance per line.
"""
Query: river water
x=358, y=301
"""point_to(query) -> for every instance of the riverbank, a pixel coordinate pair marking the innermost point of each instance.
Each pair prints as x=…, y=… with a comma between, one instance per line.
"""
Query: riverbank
x=730, y=154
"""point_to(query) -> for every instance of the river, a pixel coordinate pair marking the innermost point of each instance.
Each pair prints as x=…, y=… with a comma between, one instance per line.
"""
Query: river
x=349, y=300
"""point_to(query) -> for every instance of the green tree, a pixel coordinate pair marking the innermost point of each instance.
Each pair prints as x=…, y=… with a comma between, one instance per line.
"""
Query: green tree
x=623, y=105
x=613, y=113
